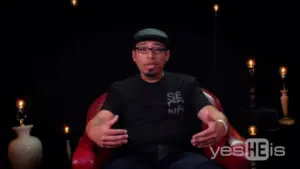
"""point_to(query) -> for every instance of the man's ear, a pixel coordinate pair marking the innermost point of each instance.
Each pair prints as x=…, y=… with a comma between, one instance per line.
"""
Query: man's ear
x=133, y=55
x=167, y=56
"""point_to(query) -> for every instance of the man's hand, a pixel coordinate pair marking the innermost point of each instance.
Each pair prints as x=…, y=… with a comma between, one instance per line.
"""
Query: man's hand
x=106, y=137
x=215, y=131
x=217, y=127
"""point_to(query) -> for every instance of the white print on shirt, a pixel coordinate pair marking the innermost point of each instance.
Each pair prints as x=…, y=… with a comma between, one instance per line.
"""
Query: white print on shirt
x=175, y=103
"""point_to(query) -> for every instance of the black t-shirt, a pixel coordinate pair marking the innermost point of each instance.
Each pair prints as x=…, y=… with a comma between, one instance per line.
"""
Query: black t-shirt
x=161, y=113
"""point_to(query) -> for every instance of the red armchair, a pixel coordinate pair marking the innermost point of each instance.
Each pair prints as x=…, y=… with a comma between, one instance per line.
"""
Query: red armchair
x=88, y=156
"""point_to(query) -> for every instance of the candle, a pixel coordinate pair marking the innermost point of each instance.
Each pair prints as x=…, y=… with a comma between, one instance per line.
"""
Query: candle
x=251, y=63
x=252, y=130
x=283, y=71
x=68, y=146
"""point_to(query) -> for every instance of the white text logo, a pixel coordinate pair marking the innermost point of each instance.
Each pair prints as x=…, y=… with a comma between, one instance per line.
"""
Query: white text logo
x=255, y=149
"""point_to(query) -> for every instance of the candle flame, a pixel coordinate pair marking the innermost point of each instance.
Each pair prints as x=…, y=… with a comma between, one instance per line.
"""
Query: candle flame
x=20, y=103
x=283, y=70
x=216, y=7
x=67, y=129
x=251, y=63
x=74, y=2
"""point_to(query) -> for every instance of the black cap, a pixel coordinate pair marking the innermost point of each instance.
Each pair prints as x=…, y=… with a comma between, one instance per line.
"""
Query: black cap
x=152, y=34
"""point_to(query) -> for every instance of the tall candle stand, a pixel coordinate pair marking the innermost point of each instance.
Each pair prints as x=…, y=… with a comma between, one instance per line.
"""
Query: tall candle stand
x=215, y=70
x=285, y=120
x=251, y=68
x=216, y=10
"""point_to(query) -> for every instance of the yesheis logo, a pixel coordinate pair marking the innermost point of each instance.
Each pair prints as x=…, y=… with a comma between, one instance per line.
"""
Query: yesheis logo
x=255, y=149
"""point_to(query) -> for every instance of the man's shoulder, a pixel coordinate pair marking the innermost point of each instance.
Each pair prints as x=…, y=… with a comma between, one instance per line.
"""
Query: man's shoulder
x=124, y=83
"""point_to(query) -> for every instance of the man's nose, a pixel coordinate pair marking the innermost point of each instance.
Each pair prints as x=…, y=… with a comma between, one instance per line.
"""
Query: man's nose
x=150, y=54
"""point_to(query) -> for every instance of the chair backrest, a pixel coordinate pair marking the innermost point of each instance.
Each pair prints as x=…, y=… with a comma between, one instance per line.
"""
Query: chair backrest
x=96, y=105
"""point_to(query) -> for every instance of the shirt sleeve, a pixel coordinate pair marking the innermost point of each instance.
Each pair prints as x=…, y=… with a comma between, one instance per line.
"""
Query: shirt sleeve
x=113, y=101
x=198, y=98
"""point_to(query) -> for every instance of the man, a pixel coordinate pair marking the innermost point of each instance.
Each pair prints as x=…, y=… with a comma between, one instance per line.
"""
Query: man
x=155, y=117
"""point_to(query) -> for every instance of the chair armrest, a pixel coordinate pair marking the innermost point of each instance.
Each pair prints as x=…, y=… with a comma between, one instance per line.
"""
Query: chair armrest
x=84, y=157
x=230, y=159
x=88, y=156
x=234, y=138
x=237, y=159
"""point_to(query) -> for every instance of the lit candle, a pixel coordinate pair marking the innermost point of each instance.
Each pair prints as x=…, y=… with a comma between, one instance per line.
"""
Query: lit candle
x=283, y=71
x=20, y=115
x=68, y=146
x=20, y=104
x=216, y=7
x=251, y=63
x=252, y=130
x=67, y=129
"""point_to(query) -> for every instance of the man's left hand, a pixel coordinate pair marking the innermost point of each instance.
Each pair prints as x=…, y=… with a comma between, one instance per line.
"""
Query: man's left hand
x=215, y=131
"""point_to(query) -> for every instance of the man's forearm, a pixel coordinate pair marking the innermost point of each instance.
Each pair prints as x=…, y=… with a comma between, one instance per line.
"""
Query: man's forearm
x=97, y=121
x=94, y=123
x=101, y=118
x=210, y=113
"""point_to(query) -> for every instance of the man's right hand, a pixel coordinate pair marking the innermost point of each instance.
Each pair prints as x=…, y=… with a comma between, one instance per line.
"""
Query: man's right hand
x=106, y=137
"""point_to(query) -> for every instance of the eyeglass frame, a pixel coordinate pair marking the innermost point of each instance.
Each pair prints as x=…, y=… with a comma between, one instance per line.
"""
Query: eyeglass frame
x=152, y=50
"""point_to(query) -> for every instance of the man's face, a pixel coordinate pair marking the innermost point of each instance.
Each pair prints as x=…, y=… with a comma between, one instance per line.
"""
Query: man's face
x=150, y=57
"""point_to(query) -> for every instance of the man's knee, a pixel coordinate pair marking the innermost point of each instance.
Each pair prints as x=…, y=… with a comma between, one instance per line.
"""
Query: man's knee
x=194, y=161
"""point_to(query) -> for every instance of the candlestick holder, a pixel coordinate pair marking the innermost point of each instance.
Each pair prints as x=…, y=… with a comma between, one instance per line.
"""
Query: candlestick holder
x=25, y=151
x=285, y=120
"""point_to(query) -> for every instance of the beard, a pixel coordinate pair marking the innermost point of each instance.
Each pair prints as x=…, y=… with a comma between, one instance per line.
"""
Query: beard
x=150, y=73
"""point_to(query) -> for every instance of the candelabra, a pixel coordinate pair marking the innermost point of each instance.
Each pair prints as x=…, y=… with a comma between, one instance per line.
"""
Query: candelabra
x=251, y=67
x=285, y=120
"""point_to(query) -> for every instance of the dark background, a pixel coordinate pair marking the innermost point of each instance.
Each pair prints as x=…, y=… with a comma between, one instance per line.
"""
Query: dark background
x=60, y=58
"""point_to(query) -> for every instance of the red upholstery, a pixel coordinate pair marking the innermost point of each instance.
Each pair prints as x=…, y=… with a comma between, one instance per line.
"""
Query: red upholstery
x=88, y=156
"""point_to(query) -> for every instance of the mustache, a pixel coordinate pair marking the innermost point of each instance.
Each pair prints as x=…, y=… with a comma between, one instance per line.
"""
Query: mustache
x=151, y=64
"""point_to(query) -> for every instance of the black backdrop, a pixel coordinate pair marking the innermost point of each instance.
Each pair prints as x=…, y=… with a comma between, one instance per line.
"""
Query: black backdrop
x=59, y=58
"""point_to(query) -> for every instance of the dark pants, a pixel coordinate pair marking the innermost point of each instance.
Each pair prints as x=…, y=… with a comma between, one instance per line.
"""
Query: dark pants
x=187, y=160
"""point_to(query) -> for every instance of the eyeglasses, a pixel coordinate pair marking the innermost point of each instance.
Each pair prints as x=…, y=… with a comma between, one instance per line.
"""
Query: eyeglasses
x=145, y=50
